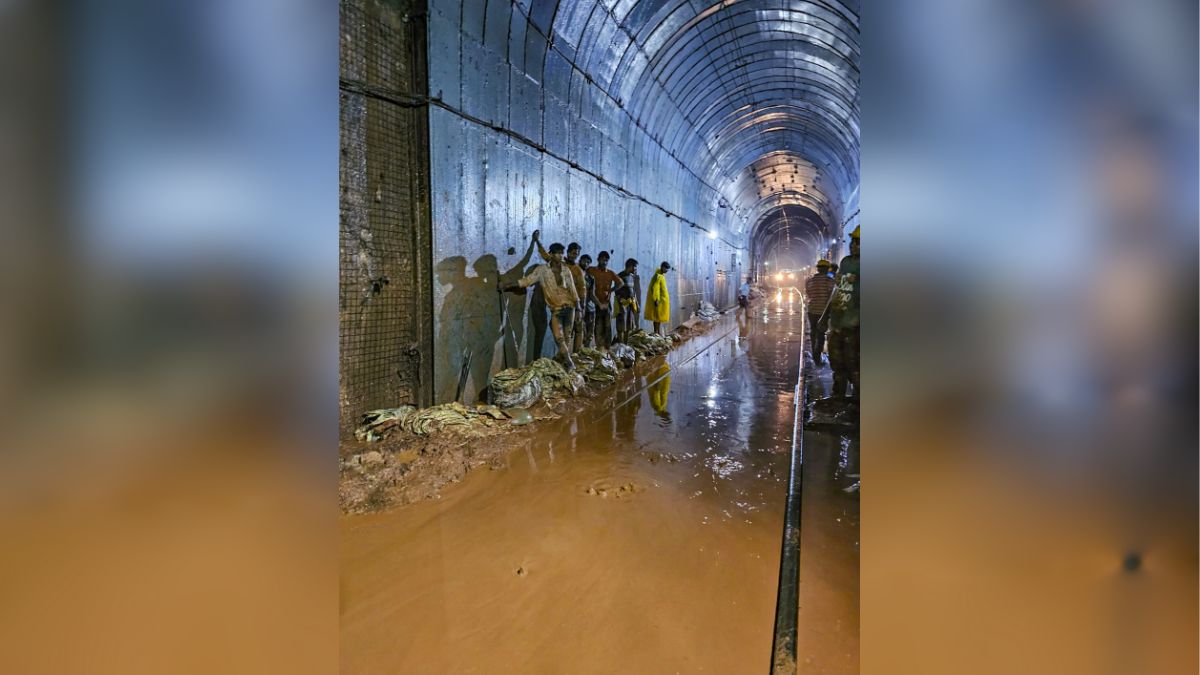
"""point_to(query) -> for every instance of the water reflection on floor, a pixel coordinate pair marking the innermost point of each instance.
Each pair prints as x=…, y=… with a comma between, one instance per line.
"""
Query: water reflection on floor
x=641, y=536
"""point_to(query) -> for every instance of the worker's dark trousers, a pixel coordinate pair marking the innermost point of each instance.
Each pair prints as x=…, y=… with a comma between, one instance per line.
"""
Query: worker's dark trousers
x=562, y=323
x=584, y=337
x=626, y=320
x=603, y=327
x=539, y=321
x=816, y=336
x=843, y=360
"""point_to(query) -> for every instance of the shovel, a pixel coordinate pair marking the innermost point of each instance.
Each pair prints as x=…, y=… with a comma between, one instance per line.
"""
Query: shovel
x=506, y=330
x=462, y=374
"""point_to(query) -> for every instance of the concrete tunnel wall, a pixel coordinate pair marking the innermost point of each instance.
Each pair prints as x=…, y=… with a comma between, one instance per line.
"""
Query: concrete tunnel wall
x=636, y=126
x=526, y=138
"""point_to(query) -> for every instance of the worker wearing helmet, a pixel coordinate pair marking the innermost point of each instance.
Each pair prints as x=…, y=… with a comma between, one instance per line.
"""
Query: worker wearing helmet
x=817, y=290
x=842, y=318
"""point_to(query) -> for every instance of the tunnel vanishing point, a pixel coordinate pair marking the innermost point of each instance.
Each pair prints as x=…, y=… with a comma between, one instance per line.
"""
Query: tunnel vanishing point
x=720, y=136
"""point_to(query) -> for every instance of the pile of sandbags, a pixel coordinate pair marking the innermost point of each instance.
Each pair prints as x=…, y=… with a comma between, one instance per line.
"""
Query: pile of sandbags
x=556, y=381
x=647, y=345
x=597, y=367
x=515, y=388
x=624, y=354
x=524, y=387
x=707, y=312
x=471, y=421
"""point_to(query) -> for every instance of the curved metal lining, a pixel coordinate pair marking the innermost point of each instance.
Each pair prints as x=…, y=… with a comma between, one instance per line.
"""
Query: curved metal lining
x=795, y=230
x=723, y=112
x=722, y=86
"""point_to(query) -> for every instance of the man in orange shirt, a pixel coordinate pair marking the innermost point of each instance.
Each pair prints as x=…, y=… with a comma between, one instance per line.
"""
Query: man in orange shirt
x=607, y=281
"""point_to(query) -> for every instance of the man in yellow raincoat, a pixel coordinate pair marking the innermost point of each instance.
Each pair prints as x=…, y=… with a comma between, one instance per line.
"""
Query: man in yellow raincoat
x=658, y=299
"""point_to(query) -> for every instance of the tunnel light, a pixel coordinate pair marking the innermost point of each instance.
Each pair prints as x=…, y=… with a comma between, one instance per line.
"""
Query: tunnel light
x=779, y=277
x=791, y=275
x=712, y=234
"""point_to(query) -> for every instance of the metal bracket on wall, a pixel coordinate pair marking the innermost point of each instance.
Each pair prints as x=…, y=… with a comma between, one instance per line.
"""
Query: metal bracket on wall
x=394, y=97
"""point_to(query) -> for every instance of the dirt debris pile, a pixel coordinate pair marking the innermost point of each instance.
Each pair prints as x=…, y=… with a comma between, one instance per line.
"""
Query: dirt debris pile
x=453, y=417
x=408, y=454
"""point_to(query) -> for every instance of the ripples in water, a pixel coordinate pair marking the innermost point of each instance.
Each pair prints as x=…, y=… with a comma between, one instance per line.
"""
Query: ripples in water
x=723, y=466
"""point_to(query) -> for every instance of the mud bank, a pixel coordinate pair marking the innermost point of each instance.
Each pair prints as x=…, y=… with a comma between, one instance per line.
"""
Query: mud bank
x=407, y=468
x=639, y=535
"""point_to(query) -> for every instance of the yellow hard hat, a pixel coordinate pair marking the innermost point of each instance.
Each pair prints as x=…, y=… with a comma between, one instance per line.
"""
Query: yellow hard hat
x=854, y=234
x=822, y=263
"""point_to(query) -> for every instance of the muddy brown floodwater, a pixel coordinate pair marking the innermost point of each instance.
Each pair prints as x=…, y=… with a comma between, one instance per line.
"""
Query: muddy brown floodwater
x=639, y=536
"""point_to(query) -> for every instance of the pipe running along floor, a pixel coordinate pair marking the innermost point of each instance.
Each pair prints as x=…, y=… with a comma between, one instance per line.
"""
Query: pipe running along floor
x=642, y=535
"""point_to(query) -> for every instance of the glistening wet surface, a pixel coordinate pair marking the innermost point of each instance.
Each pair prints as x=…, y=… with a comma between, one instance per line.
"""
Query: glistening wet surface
x=827, y=620
x=641, y=536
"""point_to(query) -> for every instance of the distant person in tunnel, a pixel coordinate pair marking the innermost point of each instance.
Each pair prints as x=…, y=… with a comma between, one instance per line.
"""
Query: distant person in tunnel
x=606, y=281
x=744, y=294
x=842, y=319
x=817, y=290
x=658, y=299
x=574, y=333
x=589, y=302
x=561, y=297
x=627, y=300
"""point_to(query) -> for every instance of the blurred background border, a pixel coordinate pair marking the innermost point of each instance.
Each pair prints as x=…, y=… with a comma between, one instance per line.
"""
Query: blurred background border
x=168, y=189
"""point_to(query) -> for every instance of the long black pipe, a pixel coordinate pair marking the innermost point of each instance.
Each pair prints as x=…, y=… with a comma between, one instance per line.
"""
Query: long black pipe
x=787, y=602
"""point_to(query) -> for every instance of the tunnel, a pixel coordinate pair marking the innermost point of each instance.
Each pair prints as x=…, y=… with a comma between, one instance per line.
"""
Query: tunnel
x=719, y=137
x=712, y=137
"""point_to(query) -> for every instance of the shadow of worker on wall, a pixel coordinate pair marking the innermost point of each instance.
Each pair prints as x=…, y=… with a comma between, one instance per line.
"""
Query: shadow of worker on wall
x=512, y=328
x=535, y=301
x=468, y=309
x=539, y=320
x=485, y=327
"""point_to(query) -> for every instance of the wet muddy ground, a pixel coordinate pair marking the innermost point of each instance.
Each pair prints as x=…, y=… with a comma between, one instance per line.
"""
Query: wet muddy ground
x=640, y=535
x=827, y=621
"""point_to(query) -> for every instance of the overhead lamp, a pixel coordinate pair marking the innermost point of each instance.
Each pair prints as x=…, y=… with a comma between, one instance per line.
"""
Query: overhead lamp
x=712, y=234
x=779, y=276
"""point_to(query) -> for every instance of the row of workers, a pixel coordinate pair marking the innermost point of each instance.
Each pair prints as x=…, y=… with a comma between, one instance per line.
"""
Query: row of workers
x=832, y=297
x=580, y=298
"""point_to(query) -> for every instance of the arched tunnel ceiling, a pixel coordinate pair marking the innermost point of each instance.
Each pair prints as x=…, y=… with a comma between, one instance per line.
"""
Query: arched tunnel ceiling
x=757, y=97
x=796, y=229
